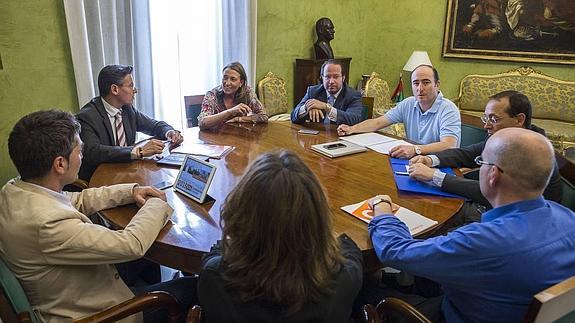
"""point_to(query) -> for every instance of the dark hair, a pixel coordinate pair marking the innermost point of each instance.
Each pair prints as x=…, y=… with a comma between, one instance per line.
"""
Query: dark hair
x=38, y=138
x=518, y=103
x=334, y=62
x=278, y=204
x=435, y=72
x=112, y=74
x=242, y=94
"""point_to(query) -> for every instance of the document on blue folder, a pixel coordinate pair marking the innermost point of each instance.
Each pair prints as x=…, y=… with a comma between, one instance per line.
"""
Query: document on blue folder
x=406, y=183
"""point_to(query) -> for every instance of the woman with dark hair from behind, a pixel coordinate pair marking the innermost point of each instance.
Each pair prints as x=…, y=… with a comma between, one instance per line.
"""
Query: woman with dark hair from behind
x=231, y=101
x=278, y=259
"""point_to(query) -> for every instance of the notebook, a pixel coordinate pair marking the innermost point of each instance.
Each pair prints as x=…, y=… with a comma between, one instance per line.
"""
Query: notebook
x=194, y=178
x=338, y=148
x=375, y=141
x=408, y=184
x=416, y=223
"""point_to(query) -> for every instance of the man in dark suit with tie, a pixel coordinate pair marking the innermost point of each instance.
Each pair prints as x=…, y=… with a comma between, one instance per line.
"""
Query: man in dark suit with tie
x=110, y=122
x=331, y=101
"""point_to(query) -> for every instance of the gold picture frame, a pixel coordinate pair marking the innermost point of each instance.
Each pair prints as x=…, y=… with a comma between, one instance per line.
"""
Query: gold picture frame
x=511, y=30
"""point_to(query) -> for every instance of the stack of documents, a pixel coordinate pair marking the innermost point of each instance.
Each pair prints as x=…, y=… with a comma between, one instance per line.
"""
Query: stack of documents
x=416, y=223
x=374, y=141
x=212, y=151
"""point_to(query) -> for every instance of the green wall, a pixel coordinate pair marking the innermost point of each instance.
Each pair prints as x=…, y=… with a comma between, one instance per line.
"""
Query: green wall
x=378, y=35
x=37, y=67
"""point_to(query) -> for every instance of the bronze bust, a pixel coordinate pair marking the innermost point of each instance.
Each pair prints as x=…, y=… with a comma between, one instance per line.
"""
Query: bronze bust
x=325, y=33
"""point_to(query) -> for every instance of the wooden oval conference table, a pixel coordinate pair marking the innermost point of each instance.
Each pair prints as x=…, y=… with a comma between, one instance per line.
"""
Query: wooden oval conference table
x=196, y=227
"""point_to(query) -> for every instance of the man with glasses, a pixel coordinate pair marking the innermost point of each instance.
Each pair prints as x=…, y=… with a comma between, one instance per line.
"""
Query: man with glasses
x=503, y=110
x=489, y=271
x=430, y=120
x=109, y=125
x=331, y=101
x=110, y=122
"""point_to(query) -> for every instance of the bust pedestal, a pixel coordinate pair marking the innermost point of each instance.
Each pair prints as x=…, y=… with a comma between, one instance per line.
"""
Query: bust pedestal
x=307, y=72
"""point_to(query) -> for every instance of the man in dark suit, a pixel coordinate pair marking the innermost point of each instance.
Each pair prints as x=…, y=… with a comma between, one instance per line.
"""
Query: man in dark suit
x=110, y=122
x=331, y=101
x=503, y=110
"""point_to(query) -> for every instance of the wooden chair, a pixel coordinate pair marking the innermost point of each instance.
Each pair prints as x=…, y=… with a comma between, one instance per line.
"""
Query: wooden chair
x=367, y=111
x=377, y=88
x=555, y=304
x=15, y=307
x=193, y=104
x=391, y=305
x=196, y=315
x=567, y=172
x=272, y=93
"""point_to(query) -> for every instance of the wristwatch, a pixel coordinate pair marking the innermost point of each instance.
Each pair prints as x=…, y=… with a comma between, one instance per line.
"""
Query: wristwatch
x=417, y=150
x=381, y=199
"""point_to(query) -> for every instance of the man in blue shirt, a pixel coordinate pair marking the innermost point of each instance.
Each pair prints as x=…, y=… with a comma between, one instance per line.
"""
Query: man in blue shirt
x=430, y=120
x=490, y=270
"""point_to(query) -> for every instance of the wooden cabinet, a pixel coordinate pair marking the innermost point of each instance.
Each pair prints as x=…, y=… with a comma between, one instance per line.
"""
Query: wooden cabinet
x=307, y=73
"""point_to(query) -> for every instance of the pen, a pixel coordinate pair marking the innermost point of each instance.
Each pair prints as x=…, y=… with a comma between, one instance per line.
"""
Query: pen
x=402, y=173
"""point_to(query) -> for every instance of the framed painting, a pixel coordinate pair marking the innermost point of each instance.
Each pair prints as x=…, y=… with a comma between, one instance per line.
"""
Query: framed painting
x=511, y=30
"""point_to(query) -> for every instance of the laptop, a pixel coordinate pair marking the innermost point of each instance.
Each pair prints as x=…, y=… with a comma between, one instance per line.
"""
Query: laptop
x=338, y=148
x=194, y=178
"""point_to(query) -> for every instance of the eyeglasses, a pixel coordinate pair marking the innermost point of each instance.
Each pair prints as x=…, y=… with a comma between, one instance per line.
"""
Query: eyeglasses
x=492, y=119
x=479, y=161
x=133, y=87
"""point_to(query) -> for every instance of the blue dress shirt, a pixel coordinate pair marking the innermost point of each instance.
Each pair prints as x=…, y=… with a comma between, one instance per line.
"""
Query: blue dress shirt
x=489, y=270
x=441, y=120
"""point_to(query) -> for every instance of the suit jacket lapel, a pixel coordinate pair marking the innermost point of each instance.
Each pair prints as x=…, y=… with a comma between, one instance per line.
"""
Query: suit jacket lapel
x=322, y=95
x=105, y=120
x=127, y=121
x=340, y=98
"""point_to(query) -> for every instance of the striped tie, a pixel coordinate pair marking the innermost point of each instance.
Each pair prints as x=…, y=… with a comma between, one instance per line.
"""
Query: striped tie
x=120, y=135
x=331, y=101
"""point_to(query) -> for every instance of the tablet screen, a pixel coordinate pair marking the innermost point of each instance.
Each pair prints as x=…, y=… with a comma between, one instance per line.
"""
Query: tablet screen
x=194, y=178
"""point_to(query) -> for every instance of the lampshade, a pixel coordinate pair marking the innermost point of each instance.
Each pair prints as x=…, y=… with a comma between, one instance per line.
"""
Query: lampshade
x=417, y=58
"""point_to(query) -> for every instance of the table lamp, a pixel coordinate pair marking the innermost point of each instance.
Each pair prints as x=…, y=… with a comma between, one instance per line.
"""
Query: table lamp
x=417, y=58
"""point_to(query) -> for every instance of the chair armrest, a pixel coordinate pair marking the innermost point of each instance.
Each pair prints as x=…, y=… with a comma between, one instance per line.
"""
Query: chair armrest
x=195, y=315
x=370, y=314
x=137, y=304
x=77, y=186
x=393, y=305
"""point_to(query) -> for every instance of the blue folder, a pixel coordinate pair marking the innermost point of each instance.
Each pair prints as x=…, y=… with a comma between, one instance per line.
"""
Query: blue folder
x=406, y=183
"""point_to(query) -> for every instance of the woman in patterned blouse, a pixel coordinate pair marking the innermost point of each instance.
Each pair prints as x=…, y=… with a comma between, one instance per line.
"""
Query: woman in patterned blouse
x=232, y=101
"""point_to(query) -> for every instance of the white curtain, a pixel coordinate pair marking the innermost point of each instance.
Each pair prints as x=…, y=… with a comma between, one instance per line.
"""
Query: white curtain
x=240, y=34
x=104, y=32
x=191, y=42
x=177, y=47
